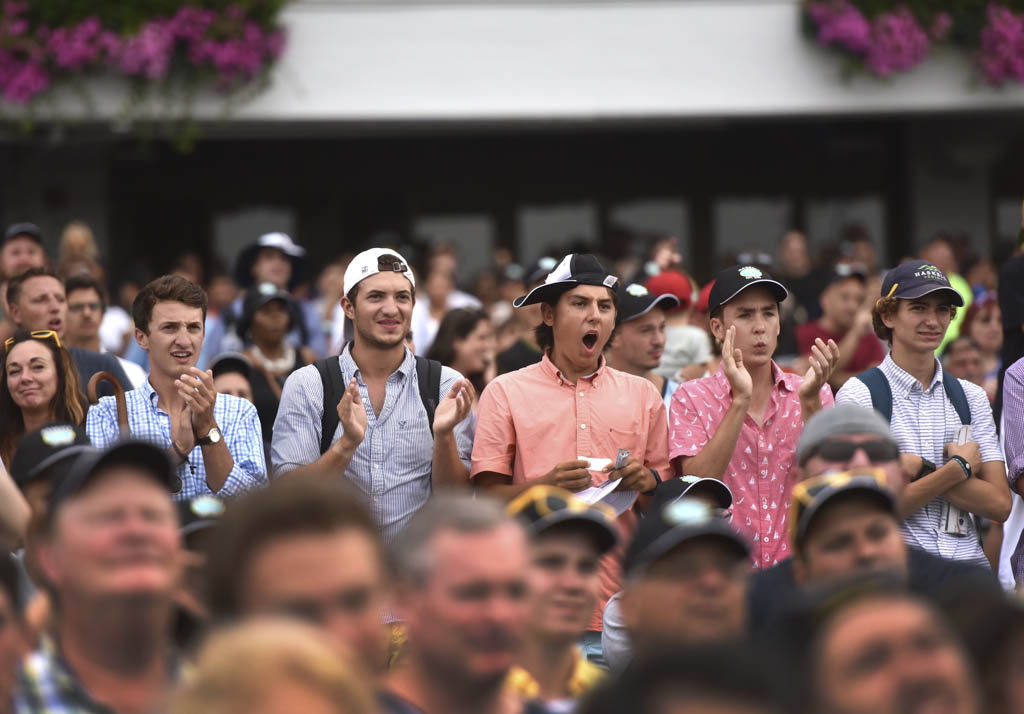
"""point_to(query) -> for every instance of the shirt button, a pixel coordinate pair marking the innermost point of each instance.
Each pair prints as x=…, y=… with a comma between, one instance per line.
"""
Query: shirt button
x=766, y=539
x=583, y=426
x=582, y=394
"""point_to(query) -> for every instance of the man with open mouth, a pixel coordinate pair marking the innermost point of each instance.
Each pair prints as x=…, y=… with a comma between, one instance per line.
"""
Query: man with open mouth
x=570, y=420
x=741, y=424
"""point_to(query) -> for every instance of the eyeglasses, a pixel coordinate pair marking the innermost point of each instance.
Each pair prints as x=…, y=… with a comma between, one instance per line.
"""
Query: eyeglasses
x=805, y=492
x=843, y=450
x=35, y=335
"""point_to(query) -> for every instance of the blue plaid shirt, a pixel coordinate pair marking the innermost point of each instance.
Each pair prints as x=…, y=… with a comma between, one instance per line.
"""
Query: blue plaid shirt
x=238, y=422
x=47, y=685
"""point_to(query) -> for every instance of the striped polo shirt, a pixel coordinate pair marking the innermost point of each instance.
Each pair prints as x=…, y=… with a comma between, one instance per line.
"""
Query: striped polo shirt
x=924, y=421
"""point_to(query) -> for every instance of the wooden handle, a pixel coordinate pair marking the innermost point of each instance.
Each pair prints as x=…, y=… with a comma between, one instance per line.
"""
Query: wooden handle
x=119, y=400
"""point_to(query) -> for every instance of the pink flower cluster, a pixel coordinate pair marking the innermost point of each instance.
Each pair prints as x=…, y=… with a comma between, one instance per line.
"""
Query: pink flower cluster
x=893, y=42
x=1001, y=55
x=228, y=44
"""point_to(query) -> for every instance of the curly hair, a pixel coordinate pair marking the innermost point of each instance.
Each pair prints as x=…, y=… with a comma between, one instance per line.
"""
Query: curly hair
x=68, y=404
x=889, y=306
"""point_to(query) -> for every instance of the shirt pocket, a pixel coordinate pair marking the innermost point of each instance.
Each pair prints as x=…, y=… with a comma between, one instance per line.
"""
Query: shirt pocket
x=621, y=431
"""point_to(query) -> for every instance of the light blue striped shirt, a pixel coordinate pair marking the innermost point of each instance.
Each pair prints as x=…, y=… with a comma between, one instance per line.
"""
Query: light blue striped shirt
x=392, y=466
x=236, y=418
x=923, y=422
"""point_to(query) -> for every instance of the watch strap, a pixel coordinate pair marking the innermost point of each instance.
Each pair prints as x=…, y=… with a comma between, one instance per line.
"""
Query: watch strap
x=206, y=440
x=927, y=467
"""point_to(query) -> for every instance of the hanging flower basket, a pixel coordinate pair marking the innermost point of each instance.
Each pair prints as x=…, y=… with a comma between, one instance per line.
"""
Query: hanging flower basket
x=883, y=37
x=153, y=45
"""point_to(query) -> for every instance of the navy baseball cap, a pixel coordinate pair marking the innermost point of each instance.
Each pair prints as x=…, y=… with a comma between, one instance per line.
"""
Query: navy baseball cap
x=635, y=301
x=917, y=278
x=732, y=281
x=28, y=230
x=54, y=445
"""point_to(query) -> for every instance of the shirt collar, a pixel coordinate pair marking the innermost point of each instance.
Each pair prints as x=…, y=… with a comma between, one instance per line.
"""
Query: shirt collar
x=349, y=366
x=905, y=382
x=549, y=368
x=150, y=393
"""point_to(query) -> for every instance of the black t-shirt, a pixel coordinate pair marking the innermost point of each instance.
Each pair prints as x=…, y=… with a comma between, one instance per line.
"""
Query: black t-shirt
x=521, y=354
x=773, y=589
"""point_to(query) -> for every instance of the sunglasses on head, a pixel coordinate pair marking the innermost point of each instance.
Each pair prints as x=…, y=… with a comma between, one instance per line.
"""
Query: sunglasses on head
x=35, y=335
x=843, y=450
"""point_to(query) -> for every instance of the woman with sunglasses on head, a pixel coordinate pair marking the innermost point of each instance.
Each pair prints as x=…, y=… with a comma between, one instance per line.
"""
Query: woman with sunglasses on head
x=39, y=385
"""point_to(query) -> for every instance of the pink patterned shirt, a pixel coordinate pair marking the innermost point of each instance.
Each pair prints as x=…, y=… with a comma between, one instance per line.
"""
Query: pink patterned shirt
x=760, y=472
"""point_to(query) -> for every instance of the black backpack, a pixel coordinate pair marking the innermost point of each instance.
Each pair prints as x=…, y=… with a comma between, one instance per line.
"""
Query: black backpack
x=428, y=373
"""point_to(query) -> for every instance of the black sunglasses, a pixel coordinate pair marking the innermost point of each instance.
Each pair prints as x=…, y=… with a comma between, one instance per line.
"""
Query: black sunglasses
x=843, y=450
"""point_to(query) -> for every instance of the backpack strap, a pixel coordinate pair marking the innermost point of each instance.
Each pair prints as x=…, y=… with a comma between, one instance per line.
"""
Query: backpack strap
x=881, y=392
x=428, y=374
x=334, y=389
x=955, y=392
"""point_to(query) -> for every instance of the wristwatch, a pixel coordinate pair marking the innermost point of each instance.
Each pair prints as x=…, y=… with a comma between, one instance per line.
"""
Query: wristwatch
x=212, y=437
x=927, y=467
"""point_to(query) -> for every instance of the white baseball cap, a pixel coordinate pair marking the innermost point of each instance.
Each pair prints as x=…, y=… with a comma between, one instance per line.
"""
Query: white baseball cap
x=368, y=263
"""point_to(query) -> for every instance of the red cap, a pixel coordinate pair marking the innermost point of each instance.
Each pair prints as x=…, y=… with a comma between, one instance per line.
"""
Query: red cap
x=672, y=282
x=705, y=295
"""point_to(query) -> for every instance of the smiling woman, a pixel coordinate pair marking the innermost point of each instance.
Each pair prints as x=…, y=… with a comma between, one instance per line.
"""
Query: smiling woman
x=39, y=385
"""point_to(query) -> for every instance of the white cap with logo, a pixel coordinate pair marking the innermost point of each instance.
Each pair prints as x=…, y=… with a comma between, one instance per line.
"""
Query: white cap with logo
x=368, y=263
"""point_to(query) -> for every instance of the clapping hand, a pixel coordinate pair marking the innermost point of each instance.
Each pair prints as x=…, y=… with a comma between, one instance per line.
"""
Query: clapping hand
x=454, y=407
x=823, y=360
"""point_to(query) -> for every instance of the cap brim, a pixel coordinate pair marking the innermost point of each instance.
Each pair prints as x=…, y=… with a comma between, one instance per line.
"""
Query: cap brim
x=721, y=493
x=199, y=525
x=657, y=302
x=883, y=496
x=958, y=299
x=678, y=535
x=544, y=293
x=607, y=537
x=69, y=454
x=777, y=288
x=151, y=459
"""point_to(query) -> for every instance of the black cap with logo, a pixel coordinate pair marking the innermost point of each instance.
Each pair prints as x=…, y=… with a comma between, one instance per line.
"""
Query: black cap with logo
x=732, y=281
x=50, y=449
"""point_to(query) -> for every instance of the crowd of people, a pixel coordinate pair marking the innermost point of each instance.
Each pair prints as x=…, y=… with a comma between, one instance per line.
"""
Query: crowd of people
x=579, y=485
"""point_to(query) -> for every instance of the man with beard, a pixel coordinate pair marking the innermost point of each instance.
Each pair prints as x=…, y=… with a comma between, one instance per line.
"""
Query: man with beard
x=111, y=557
x=461, y=587
x=572, y=421
x=383, y=439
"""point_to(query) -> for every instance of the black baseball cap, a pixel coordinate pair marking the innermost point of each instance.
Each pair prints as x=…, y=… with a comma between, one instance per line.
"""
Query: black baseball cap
x=673, y=489
x=228, y=362
x=147, y=458
x=199, y=513
x=917, y=278
x=675, y=523
x=732, y=281
x=635, y=301
x=575, y=269
x=541, y=507
x=52, y=447
x=810, y=496
x=264, y=294
x=30, y=230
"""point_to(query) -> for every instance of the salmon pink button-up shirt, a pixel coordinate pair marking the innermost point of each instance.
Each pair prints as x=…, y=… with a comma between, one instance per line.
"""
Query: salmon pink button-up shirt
x=760, y=473
x=532, y=419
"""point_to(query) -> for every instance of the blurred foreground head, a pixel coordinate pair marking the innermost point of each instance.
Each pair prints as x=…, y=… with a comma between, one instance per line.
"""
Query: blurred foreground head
x=273, y=667
x=305, y=548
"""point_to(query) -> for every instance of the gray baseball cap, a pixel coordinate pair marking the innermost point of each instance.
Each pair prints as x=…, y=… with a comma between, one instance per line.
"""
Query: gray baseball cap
x=840, y=419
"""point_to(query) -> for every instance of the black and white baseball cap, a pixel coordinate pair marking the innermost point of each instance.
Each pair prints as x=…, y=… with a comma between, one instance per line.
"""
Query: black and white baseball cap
x=575, y=269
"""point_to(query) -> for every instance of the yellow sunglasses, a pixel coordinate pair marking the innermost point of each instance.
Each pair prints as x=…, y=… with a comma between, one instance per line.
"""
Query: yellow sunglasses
x=35, y=335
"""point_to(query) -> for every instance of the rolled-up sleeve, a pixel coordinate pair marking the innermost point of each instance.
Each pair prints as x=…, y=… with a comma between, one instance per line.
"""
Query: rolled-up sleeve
x=296, y=439
x=494, y=443
x=244, y=439
x=101, y=423
x=1013, y=421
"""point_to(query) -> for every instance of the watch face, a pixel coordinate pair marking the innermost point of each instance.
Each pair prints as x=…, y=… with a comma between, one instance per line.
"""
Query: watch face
x=214, y=435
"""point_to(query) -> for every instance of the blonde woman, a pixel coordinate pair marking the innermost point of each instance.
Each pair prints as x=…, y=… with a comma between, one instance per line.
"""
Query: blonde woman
x=273, y=667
